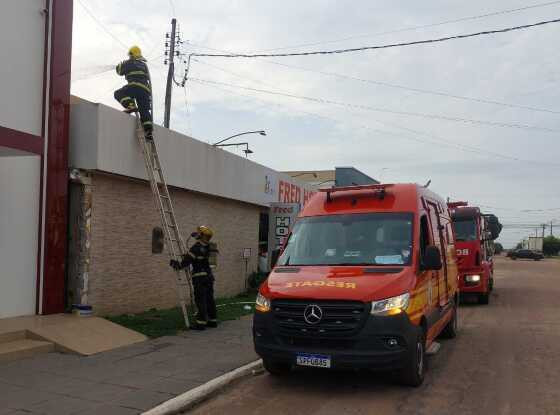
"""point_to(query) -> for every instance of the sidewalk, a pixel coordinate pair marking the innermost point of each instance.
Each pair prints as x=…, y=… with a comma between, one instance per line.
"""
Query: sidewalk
x=128, y=380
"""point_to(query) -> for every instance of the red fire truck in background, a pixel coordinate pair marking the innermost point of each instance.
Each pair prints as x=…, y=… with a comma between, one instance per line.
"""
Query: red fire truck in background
x=475, y=233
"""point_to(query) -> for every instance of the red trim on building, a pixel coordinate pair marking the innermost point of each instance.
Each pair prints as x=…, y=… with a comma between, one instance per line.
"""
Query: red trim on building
x=21, y=141
x=43, y=119
x=56, y=158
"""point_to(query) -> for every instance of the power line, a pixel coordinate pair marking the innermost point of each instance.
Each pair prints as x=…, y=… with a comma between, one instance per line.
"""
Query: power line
x=172, y=8
x=426, y=26
x=101, y=25
x=386, y=84
x=412, y=89
x=364, y=48
x=384, y=110
x=440, y=141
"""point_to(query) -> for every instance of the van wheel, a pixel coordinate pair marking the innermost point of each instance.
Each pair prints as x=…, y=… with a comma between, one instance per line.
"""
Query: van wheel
x=450, y=330
x=484, y=298
x=276, y=368
x=412, y=374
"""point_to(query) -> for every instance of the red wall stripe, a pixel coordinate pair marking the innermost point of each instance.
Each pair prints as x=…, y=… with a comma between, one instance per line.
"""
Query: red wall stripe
x=56, y=186
x=21, y=141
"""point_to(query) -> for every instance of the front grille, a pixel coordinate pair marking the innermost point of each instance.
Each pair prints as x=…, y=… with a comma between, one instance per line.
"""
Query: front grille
x=340, y=318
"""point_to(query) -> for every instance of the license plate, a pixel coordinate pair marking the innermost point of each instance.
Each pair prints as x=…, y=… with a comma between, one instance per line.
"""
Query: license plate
x=313, y=360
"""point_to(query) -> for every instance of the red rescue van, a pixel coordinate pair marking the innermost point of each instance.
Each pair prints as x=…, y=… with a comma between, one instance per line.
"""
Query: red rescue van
x=367, y=279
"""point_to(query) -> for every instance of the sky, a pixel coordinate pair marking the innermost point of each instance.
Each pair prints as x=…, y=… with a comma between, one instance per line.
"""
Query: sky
x=397, y=114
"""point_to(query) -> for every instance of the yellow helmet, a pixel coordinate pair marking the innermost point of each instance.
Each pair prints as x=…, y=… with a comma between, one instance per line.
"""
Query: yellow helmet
x=135, y=52
x=205, y=232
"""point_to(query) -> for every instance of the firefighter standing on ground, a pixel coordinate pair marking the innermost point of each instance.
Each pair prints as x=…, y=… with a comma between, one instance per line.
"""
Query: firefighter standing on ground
x=137, y=94
x=202, y=278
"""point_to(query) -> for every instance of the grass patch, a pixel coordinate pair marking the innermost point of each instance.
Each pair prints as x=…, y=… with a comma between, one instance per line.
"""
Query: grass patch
x=156, y=323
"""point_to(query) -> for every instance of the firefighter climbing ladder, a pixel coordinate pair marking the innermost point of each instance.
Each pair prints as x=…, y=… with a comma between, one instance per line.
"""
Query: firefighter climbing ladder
x=176, y=246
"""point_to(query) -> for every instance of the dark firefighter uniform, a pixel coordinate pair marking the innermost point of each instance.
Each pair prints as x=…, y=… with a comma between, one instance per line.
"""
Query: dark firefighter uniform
x=138, y=92
x=202, y=278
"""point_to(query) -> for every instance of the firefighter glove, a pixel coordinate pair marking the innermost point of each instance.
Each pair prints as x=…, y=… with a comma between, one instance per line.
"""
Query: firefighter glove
x=176, y=265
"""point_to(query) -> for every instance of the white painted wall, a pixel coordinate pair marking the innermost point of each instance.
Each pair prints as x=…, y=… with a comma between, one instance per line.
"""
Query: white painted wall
x=104, y=139
x=19, y=223
x=22, y=43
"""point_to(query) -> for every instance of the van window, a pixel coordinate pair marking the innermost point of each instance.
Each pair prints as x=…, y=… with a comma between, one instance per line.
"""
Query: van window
x=424, y=235
x=355, y=239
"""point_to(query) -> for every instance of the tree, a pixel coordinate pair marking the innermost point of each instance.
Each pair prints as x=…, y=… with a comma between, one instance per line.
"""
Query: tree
x=551, y=245
x=498, y=248
x=519, y=245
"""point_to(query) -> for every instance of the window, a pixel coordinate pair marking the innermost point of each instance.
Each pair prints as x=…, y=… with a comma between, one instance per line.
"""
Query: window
x=424, y=235
x=355, y=239
x=465, y=229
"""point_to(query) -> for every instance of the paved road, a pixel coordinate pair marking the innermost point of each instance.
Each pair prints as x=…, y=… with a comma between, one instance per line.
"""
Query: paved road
x=506, y=360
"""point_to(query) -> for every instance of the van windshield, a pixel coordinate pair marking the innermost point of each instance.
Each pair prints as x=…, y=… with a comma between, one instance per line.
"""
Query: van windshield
x=465, y=230
x=355, y=239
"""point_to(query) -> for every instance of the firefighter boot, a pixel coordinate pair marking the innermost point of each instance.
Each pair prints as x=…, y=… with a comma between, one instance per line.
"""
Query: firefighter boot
x=212, y=324
x=131, y=108
x=199, y=325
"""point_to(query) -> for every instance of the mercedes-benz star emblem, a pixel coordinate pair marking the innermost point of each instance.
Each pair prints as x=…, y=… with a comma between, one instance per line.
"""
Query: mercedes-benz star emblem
x=312, y=314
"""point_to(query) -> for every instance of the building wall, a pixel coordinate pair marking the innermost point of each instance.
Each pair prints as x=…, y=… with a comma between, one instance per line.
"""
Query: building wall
x=104, y=139
x=35, y=51
x=19, y=222
x=125, y=276
x=22, y=51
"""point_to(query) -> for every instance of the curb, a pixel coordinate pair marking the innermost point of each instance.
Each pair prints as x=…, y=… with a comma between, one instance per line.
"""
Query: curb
x=190, y=398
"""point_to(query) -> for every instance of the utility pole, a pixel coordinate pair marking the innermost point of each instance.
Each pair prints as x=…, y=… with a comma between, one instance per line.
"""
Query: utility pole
x=543, y=229
x=170, y=73
x=551, y=228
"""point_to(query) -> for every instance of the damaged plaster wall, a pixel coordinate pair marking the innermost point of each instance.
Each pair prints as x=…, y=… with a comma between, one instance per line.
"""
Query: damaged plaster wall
x=79, y=238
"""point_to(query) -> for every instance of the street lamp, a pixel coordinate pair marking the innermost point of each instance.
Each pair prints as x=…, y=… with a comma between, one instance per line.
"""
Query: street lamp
x=261, y=132
x=247, y=150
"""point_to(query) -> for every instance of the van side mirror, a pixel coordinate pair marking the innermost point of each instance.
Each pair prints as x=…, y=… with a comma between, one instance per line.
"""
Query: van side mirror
x=432, y=258
x=274, y=257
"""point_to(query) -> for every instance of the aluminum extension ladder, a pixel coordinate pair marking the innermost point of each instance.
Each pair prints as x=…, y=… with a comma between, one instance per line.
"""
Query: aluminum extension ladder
x=176, y=246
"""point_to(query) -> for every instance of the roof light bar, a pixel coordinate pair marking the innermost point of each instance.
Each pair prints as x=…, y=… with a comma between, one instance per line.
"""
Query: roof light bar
x=379, y=189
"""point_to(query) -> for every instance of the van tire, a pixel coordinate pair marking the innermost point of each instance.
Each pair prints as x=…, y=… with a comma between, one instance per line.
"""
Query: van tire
x=450, y=330
x=277, y=368
x=484, y=298
x=412, y=374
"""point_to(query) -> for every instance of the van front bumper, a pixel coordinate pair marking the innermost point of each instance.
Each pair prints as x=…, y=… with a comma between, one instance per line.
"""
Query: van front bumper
x=370, y=347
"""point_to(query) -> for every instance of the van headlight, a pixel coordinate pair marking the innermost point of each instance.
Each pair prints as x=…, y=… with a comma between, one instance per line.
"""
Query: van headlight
x=390, y=306
x=472, y=278
x=262, y=303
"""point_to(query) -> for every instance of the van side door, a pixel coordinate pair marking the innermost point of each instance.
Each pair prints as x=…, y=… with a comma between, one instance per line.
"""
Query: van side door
x=439, y=241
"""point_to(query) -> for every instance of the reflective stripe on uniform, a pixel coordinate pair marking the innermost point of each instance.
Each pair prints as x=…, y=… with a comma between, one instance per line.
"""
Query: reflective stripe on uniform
x=147, y=123
x=200, y=257
x=199, y=274
x=137, y=73
x=141, y=86
x=125, y=99
x=201, y=322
